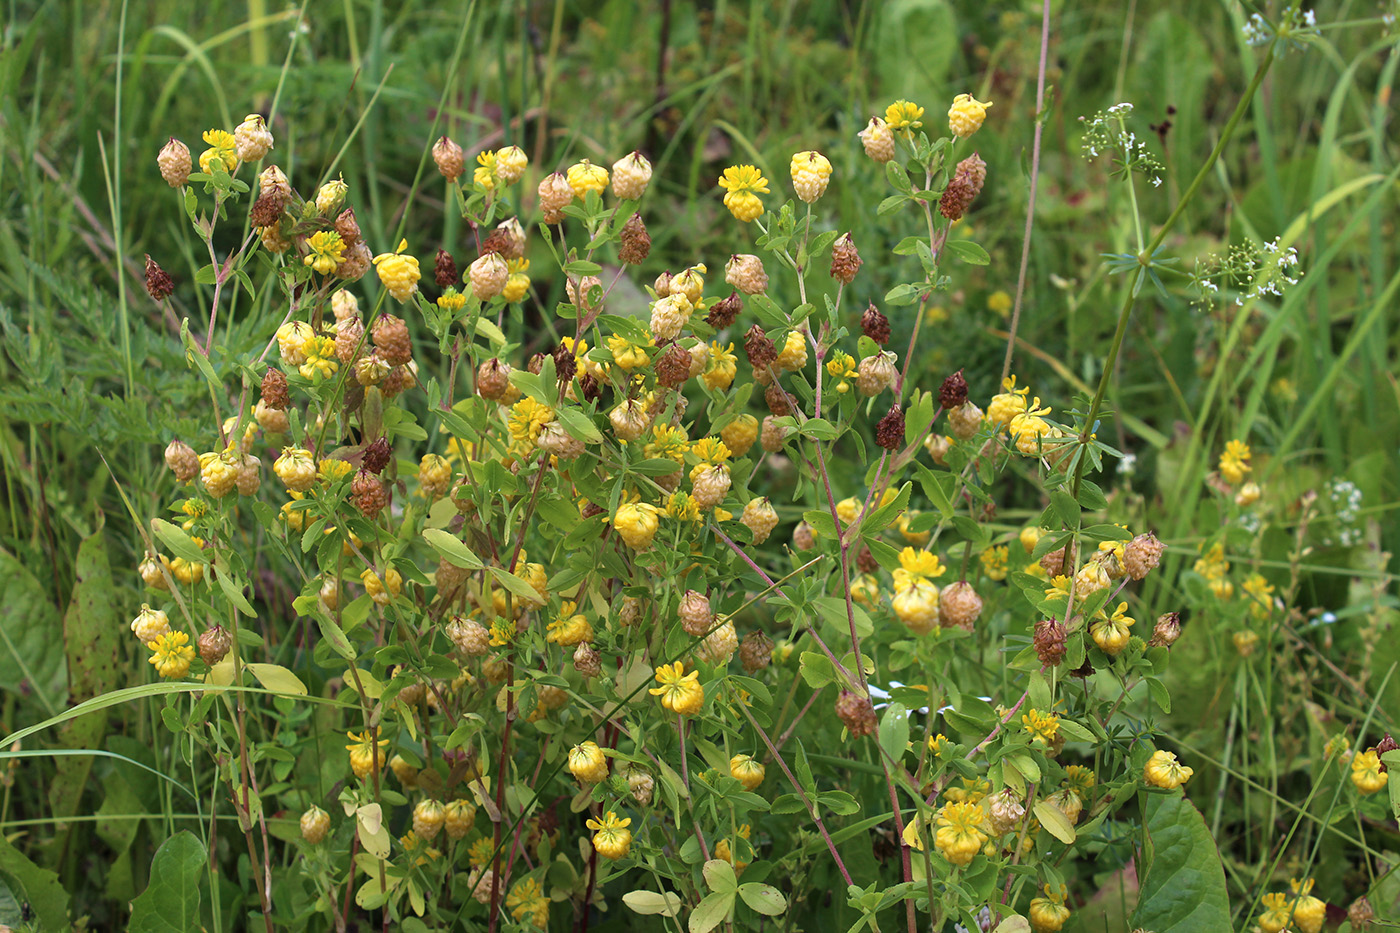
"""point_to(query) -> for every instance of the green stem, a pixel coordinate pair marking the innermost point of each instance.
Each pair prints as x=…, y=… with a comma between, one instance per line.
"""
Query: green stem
x=1146, y=254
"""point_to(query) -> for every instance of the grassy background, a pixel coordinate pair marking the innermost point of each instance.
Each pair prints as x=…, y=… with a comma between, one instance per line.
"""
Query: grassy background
x=92, y=377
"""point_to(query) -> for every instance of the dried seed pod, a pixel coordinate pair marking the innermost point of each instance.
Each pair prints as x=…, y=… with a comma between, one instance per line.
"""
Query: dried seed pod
x=450, y=159
x=745, y=272
x=755, y=652
x=875, y=325
x=493, y=379
x=695, y=612
x=444, y=270
x=174, y=162
x=392, y=341
x=953, y=392
x=875, y=374
x=866, y=562
x=673, y=366
x=565, y=364
x=959, y=605
x=214, y=643
x=773, y=437
x=963, y=189
x=723, y=312
x=634, y=243
x=857, y=713
x=889, y=431
x=845, y=260
x=1049, y=640
x=965, y=420
x=274, y=389
x=1166, y=631
x=369, y=493
x=760, y=349
x=182, y=460
x=778, y=401
x=159, y=285
x=1053, y=563
x=587, y=660
x=1141, y=555
x=348, y=227
x=555, y=195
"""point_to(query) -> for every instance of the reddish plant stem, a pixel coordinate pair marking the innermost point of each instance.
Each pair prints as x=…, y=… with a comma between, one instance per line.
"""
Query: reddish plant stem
x=816, y=817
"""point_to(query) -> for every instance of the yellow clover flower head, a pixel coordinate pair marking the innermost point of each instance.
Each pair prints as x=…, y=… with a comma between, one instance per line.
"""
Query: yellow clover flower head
x=223, y=147
x=397, y=272
x=966, y=115
x=1041, y=727
x=810, y=173
x=960, y=836
x=327, y=250
x=1163, y=770
x=1234, y=462
x=904, y=117
x=1049, y=913
x=681, y=693
x=1366, y=772
x=484, y=175
x=584, y=177
x=742, y=185
x=611, y=837
x=171, y=654
x=636, y=522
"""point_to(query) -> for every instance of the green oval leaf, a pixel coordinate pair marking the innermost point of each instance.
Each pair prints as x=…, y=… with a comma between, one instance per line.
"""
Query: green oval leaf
x=1183, y=888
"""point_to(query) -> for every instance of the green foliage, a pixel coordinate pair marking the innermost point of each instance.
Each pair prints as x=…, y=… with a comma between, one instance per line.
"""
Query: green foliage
x=171, y=901
x=1183, y=885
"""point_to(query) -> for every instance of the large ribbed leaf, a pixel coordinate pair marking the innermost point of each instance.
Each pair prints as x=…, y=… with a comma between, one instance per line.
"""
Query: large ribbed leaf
x=1183, y=888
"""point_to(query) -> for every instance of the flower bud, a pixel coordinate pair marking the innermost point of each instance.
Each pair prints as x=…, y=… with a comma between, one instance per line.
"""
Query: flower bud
x=315, y=823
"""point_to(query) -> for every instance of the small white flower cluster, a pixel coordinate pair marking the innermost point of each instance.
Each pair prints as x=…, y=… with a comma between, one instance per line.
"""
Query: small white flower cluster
x=1293, y=25
x=1346, y=505
x=1128, y=465
x=1252, y=271
x=1107, y=132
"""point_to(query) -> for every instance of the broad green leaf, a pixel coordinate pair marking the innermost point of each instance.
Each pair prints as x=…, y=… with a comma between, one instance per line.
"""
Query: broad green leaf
x=91, y=632
x=39, y=887
x=719, y=876
x=179, y=543
x=31, y=651
x=763, y=898
x=652, y=902
x=171, y=901
x=969, y=252
x=277, y=678
x=713, y=910
x=894, y=732
x=448, y=545
x=1054, y=819
x=517, y=586
x=1183, y=887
